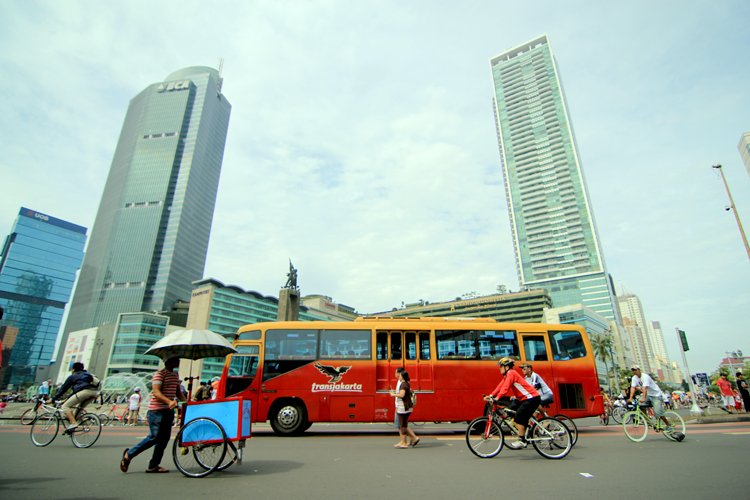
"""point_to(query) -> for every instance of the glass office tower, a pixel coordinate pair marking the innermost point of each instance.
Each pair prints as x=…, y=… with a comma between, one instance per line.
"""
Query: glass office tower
x=554, y=234
x=150, y=236
x=38, y=265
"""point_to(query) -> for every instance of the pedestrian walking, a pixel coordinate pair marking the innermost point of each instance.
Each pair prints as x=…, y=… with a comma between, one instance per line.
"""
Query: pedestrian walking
x=744, y=389
x=134, y=406
x=165, y=391
x=403, y=410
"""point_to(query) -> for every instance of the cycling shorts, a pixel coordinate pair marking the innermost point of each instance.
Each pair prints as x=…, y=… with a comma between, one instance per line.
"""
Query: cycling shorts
x=526, y=409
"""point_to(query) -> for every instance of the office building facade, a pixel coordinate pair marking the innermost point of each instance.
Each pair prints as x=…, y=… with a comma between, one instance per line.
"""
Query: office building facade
x=554, y=235
x=520, y=307
x=744, y=148
x=38, y=265
x=151, y=231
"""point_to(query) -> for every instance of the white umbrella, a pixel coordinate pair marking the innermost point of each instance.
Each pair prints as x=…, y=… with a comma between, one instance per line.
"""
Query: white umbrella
x=191, y=344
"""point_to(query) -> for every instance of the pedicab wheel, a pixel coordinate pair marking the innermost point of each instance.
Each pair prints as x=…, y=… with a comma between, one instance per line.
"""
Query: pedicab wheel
x=200, y=447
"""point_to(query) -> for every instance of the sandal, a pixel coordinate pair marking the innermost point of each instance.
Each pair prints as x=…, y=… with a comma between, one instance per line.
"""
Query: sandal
x=400, y=446
x=158, y=470
x=414, y=443
x=125, y=462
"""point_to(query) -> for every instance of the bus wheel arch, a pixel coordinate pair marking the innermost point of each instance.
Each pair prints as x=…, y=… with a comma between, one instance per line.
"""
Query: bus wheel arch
x=288, y=416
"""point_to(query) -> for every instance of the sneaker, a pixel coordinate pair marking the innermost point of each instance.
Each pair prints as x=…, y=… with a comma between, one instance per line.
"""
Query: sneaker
x=518, y=444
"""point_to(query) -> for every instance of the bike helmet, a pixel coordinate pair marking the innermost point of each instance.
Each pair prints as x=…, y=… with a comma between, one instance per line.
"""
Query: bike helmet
x=506, y=361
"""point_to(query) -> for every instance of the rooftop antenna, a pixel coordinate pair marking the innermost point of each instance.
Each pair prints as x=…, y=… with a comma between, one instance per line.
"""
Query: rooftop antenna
x=221, y=69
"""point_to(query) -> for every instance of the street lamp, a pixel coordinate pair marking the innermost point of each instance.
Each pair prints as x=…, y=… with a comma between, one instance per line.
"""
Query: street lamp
x=733, y=209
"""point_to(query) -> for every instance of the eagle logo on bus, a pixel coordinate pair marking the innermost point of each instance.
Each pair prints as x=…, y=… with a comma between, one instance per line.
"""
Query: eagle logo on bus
x=335, y=373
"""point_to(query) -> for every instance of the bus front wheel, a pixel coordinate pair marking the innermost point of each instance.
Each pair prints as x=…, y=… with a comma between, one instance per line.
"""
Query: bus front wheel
x=289, y=418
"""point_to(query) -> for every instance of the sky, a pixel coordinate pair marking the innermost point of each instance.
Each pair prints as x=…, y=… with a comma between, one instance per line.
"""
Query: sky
x=362, y=142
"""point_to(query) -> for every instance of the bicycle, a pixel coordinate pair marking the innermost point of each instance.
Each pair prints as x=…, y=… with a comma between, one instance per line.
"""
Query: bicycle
x=636, y=423
x=604, y=417
x=485, y=435
x=28, y=417
x=46, y=426
x=110, y=417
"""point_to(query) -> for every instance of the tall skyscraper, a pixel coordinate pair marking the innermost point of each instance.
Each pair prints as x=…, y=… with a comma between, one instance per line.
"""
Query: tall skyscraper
x=554, y=234
x=38, y=266
x=150, y=236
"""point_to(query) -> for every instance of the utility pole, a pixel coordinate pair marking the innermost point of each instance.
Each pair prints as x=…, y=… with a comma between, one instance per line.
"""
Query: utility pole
x=734, y=209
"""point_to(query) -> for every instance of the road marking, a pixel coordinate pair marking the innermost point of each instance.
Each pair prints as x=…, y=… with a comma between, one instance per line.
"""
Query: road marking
x=586, y=474
x=738, y=433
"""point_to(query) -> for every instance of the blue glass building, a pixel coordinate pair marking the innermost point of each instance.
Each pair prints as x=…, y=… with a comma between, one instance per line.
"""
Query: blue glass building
x=38, y=265
x=151, y=232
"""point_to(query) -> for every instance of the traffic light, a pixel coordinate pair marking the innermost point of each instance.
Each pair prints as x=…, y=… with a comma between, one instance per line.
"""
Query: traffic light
x=683, y=340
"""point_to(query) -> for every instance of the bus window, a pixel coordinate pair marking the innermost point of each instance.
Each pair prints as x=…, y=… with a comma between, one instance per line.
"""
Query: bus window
x=286, y=350
x=251, y=335
x=396, y=345
x=424, y=345
x=382, y=347
x=456, y=344
x=535, y=348
x=476, y=344
x=347, y=344
x=567, y=345
x=411, y=345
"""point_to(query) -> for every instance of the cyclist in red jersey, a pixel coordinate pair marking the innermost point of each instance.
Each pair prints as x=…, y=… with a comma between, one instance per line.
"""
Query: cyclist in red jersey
x=515, y=386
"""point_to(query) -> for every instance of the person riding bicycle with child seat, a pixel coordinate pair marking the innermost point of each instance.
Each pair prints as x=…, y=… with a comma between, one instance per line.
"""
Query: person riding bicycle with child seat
x=650, y=392
x=515, y=386
x=84, y=389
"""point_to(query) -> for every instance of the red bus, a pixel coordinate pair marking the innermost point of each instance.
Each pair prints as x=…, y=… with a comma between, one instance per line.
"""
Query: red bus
x=297, y=373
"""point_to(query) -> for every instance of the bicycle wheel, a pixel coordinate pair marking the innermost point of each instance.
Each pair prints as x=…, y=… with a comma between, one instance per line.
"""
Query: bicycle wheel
x=508, y=429
x=199, y=448
x=617, y=414
x=676, y=424
x=44, y=429
x=232, y=456
x=484, y=442
x=572, y=427
x=28, y=417
x=87, y=432
x=551, y=438
x=103, y=418
x=635, y=425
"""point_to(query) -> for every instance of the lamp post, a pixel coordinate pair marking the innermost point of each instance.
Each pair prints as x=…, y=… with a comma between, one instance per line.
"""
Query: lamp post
x=734, y=210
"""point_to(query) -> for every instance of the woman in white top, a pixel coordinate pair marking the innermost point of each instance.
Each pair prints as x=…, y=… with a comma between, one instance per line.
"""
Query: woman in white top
x=402, y=395
x=134, y=405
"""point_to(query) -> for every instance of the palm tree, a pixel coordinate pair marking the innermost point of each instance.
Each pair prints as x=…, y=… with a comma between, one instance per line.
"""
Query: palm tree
x=602, y=345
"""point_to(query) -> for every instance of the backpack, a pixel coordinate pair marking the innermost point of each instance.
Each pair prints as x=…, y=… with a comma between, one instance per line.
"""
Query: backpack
x=413, y=397
x=95, y=382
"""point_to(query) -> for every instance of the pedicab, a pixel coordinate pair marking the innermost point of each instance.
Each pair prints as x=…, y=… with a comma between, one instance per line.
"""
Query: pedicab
x=209, y=429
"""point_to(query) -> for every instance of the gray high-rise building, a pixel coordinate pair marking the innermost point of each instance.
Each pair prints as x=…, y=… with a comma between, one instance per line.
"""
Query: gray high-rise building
x=555, y=239
x=150, y=236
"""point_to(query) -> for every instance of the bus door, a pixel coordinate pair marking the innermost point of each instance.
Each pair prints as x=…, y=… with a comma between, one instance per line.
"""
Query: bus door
x=537, y=352
x=418, y=359
x=243, y=378
x=389, y=353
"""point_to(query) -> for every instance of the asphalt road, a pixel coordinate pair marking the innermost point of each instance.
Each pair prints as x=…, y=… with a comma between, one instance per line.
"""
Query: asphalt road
x=359, y=461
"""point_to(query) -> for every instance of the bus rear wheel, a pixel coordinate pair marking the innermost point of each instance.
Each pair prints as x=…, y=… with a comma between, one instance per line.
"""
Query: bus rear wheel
x=289, y=418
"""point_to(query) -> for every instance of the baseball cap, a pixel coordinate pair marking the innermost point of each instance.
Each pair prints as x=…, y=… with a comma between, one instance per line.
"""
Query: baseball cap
x=137, y=389
x=525, y=365
x=635, y=367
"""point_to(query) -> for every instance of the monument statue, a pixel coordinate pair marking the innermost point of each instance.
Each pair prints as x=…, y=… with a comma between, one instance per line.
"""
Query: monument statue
x=291, y=277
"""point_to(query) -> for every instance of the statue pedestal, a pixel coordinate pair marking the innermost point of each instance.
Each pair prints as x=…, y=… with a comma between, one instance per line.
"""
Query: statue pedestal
x=288, y=305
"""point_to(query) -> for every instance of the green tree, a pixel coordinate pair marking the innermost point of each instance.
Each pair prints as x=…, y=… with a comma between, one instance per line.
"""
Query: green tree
x=602, y=345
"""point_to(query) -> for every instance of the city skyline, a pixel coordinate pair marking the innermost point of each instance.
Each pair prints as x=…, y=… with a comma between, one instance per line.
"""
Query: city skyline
x=363, y=143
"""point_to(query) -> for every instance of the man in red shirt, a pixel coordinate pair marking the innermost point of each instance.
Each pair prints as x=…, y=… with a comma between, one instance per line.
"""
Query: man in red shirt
x=515, y=386
x=165, y=391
